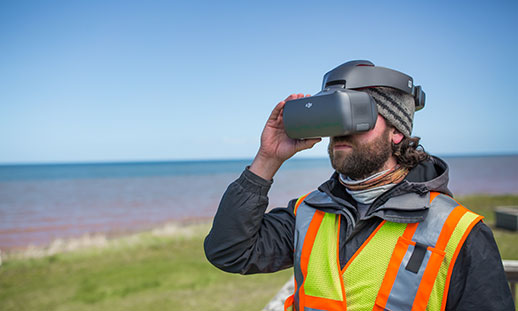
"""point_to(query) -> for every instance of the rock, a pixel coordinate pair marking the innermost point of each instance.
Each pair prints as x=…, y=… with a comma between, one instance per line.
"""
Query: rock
x=277, y=303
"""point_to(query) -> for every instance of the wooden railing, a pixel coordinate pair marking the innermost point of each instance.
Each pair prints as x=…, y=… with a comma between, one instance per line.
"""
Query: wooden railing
x=511, y=271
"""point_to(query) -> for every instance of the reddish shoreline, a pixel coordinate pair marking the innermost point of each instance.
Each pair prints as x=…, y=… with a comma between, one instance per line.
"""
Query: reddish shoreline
x=41, y=237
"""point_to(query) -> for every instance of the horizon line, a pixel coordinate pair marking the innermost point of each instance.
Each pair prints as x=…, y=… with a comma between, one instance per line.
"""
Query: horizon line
x=230, y=159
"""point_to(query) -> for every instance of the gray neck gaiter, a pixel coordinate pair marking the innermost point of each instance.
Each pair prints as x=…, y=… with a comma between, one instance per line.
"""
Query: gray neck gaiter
x=366, y=196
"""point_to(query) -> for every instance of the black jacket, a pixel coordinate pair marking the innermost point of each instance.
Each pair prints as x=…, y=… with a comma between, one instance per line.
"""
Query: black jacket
x=245, y=240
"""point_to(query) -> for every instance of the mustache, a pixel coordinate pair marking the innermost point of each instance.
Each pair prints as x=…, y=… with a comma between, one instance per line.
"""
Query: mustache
x=342, y=139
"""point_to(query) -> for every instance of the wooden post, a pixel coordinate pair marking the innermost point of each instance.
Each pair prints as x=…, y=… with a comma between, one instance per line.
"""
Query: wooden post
x=511, y=271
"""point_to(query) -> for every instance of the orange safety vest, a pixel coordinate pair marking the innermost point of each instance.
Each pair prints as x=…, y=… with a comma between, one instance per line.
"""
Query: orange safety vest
x=399, y=267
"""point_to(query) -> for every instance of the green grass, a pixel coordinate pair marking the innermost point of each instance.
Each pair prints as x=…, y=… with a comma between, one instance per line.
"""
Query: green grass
x=160, y=274
x=484, y=205
x=163, y=274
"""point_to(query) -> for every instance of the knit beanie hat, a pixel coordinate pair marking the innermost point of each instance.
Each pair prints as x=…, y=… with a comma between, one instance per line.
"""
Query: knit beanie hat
x=395, y=106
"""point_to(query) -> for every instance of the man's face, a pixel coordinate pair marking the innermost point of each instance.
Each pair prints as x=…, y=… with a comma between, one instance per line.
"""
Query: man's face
x=360, y=155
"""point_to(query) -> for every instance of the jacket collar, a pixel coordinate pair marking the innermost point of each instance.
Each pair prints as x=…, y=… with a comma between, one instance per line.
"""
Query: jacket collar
x=407, y=202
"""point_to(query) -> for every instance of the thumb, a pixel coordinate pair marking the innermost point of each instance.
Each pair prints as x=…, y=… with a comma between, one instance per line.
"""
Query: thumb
x=304, y=144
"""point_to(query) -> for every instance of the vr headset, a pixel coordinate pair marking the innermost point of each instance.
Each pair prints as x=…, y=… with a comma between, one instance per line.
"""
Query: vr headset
x=339, y=109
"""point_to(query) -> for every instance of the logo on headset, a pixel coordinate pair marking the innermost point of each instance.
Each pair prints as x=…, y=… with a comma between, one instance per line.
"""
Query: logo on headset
x=308, y=105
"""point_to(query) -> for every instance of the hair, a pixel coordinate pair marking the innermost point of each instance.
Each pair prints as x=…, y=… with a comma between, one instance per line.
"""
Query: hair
x=409, y=152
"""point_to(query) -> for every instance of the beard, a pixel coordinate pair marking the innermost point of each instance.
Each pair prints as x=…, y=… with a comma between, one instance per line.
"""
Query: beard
x=364, y=159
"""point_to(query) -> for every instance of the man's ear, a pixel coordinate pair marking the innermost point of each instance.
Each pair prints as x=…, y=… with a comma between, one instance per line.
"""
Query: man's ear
x=397, y=137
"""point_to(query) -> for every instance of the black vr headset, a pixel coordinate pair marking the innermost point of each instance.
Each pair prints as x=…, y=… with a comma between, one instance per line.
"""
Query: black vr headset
x=339, y=109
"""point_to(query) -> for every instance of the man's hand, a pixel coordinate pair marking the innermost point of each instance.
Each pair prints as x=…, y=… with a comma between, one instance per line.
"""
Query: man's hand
x=276, y=146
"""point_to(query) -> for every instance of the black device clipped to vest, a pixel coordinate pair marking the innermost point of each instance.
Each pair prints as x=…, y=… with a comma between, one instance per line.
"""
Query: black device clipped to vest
x=339, y=108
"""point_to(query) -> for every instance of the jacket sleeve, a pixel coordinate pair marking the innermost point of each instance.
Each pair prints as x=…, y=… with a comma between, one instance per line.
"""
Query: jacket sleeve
x=244, y=239
x=478, y=280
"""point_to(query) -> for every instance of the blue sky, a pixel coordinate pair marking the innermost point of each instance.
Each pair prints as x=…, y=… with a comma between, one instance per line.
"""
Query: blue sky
x=85, y=81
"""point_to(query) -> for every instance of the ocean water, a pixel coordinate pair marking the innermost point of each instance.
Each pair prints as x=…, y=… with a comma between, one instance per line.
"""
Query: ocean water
x=39, y=203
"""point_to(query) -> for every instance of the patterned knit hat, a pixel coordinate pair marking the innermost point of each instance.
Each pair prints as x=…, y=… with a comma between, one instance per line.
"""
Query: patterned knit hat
x=395, y=106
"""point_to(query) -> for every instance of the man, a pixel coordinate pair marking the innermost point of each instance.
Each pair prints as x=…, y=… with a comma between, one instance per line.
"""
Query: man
x=383, y=233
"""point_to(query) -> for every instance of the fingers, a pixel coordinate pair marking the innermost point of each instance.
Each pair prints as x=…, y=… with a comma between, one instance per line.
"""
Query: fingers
x=294, y=96
x=278, y=109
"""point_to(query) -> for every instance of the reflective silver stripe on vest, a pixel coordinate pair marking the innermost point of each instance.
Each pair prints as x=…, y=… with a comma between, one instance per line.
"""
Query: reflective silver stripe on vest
x=428, y=231
x=407, y=282
x=303, y=219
